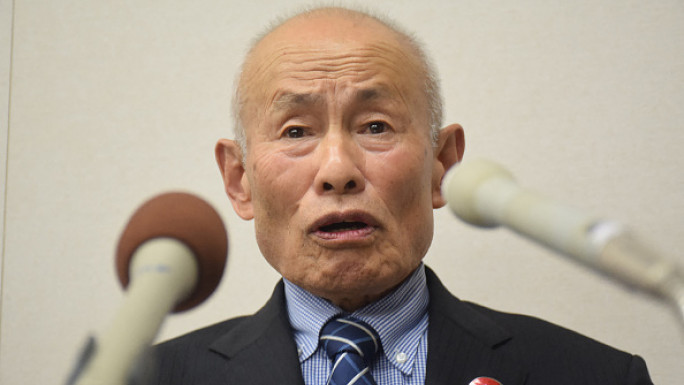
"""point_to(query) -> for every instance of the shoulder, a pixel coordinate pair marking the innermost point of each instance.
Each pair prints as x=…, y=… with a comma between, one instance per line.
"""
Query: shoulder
x=238, y=349
x=190, y=356
x=547, y=352
x=205, y=355
x=201, y=339
x=238, y=331
x=533, y=334
x=495, y=327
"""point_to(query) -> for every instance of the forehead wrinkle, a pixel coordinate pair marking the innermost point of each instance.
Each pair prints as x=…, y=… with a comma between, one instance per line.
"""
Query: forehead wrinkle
x=277, y=65
x=316, y=62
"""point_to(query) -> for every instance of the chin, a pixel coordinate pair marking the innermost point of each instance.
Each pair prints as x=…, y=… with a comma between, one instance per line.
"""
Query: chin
x=354, y=280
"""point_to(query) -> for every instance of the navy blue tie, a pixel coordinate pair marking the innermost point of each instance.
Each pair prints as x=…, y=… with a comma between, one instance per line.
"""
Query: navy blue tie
x=351, y=345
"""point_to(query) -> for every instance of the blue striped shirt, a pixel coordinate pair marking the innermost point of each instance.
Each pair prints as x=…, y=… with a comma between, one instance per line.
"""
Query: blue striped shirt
x=400, y=318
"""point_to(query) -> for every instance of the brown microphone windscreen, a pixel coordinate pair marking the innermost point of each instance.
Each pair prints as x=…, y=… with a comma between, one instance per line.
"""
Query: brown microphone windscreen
x=188, y=219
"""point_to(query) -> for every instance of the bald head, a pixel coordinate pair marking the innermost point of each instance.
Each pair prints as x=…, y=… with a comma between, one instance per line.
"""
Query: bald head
x=331, y=27
x=338, y=167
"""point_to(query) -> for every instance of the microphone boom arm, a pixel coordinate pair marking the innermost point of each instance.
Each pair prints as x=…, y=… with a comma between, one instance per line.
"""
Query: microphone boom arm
x=485, y=194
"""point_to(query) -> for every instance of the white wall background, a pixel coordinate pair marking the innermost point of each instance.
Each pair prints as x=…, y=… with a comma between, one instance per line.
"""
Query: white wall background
x=113, y=102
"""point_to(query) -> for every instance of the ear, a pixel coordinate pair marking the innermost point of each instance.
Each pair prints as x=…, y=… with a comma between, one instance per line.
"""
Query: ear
x=449, y=151
x=236, y=184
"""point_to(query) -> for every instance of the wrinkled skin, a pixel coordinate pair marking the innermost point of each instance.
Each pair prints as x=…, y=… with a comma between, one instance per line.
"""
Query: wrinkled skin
x=340, y=175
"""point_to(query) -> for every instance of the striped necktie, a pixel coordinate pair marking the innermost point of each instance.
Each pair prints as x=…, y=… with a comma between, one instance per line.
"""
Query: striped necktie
x=351, y=345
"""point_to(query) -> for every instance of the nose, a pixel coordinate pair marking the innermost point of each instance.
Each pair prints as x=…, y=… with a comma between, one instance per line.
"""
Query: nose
x=340, y=161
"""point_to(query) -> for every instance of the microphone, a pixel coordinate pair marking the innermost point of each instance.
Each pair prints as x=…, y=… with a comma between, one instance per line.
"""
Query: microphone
x=484, y=194
x=170, y=257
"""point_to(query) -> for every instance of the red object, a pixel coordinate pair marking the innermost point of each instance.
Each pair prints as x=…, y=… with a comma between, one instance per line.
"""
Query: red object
x=485, y=381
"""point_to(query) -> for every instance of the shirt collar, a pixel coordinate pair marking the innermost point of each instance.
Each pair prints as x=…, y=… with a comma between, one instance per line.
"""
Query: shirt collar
x=400, y=318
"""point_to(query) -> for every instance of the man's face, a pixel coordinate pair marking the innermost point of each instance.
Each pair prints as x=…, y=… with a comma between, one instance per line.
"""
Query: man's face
x=340, y=172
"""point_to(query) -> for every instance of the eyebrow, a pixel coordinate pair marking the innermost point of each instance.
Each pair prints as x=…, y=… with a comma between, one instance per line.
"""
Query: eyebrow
x=288, y=100
x=370, y=94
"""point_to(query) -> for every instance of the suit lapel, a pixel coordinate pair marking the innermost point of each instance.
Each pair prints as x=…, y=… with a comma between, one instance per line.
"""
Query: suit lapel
x=463, y=344
x=262, y=350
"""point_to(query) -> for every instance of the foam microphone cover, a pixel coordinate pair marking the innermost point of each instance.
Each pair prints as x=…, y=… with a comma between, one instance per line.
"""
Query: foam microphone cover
x=188, y=219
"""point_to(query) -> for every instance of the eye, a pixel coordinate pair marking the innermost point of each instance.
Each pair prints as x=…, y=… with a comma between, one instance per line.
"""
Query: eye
x=377, y=127
x=294, y=132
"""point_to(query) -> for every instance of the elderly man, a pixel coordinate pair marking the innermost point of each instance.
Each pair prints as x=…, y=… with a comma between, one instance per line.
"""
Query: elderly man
x=338, y=159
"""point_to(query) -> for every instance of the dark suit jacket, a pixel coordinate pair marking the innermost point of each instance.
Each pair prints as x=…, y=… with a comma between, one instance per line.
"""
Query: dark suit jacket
x=465, y=341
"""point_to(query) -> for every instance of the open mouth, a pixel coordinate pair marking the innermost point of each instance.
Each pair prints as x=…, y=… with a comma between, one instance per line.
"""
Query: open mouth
x=342, y=226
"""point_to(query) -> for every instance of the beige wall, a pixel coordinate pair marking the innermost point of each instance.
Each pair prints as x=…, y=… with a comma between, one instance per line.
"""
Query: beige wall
x=112, y=102
x=5, y=48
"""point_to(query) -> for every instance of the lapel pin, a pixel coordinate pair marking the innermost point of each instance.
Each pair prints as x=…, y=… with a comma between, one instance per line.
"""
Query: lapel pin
x=484, y=381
